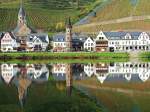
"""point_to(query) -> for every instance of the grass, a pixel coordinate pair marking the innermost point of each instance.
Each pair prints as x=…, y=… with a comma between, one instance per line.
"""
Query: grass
x=145, y=56
x=49, y=55
x=84, y=61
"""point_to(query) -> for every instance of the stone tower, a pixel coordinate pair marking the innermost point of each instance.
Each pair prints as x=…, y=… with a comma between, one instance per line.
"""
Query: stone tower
x=68, y=35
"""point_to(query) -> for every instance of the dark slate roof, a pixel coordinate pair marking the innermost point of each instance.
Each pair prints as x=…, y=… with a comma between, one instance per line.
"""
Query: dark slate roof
x=121, y=35
x=42, y=37
x=59, y=37
x=21, y=11
x=11, y=34
x=1, y=35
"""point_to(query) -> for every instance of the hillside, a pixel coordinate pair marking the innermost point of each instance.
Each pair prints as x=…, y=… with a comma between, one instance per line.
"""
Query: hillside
x=48, y=15
x=119, y=15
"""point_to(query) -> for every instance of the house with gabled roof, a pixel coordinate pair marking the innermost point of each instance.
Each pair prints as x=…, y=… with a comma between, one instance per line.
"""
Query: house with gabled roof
x=37, y=42
x=89, y=44
x=128, y=41
x=9, y=42
x=59, y=43
x=101, y=42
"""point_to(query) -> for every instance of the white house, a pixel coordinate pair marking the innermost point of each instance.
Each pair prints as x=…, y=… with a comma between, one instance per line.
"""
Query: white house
x=59, y=43
x=128, y=41
x=89, y=44
x=9, y=42
x=37, y=42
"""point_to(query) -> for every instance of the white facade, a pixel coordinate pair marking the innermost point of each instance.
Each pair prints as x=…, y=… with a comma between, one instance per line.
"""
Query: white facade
x=34, y=41
x=59, y=44
x=8, y=43
x=129, y=43
x=89, y=45
x=101, y=36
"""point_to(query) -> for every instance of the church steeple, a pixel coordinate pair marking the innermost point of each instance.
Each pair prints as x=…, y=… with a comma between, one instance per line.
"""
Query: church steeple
x=68, y=35
x=21, y=15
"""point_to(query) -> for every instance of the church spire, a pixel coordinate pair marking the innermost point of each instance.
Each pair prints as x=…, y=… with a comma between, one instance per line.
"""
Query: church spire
x=68, y=23
x=21, y=14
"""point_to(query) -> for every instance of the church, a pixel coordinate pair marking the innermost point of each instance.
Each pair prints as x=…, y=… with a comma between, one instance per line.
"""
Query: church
x=23, y=38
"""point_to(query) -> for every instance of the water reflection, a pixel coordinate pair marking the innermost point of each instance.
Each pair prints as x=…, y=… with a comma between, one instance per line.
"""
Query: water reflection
x=24, y=75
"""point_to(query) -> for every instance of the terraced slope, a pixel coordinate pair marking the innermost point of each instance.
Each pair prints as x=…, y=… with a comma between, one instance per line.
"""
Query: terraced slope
x=46, y=15
x=116, y=9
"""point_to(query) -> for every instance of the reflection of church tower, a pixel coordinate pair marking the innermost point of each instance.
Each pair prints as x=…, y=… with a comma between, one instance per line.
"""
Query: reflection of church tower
x=23, y=84
x=69, y=79
x=68, y=35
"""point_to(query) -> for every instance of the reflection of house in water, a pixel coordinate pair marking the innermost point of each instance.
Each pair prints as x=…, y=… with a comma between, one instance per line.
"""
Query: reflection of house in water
x=89, y=69
x=23, y=75
x=63, y=72
x=119, y=71
x=142, y=70
x=101, y=71
x=8, y=71
x=59, y=71
x=68, y=73
x=38, y=72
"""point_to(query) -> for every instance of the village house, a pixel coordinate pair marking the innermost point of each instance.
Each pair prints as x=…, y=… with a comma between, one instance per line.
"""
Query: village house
x=9, y=43
x=59, y=43
x=89, y=45
x=37, y=42
x=101, y=42
x=127, y=41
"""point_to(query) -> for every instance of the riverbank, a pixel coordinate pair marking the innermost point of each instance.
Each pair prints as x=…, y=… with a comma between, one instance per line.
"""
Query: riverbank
x=71, y=55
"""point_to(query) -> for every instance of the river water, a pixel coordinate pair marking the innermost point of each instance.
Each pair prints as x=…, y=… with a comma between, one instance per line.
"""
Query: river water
x=75, y=87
